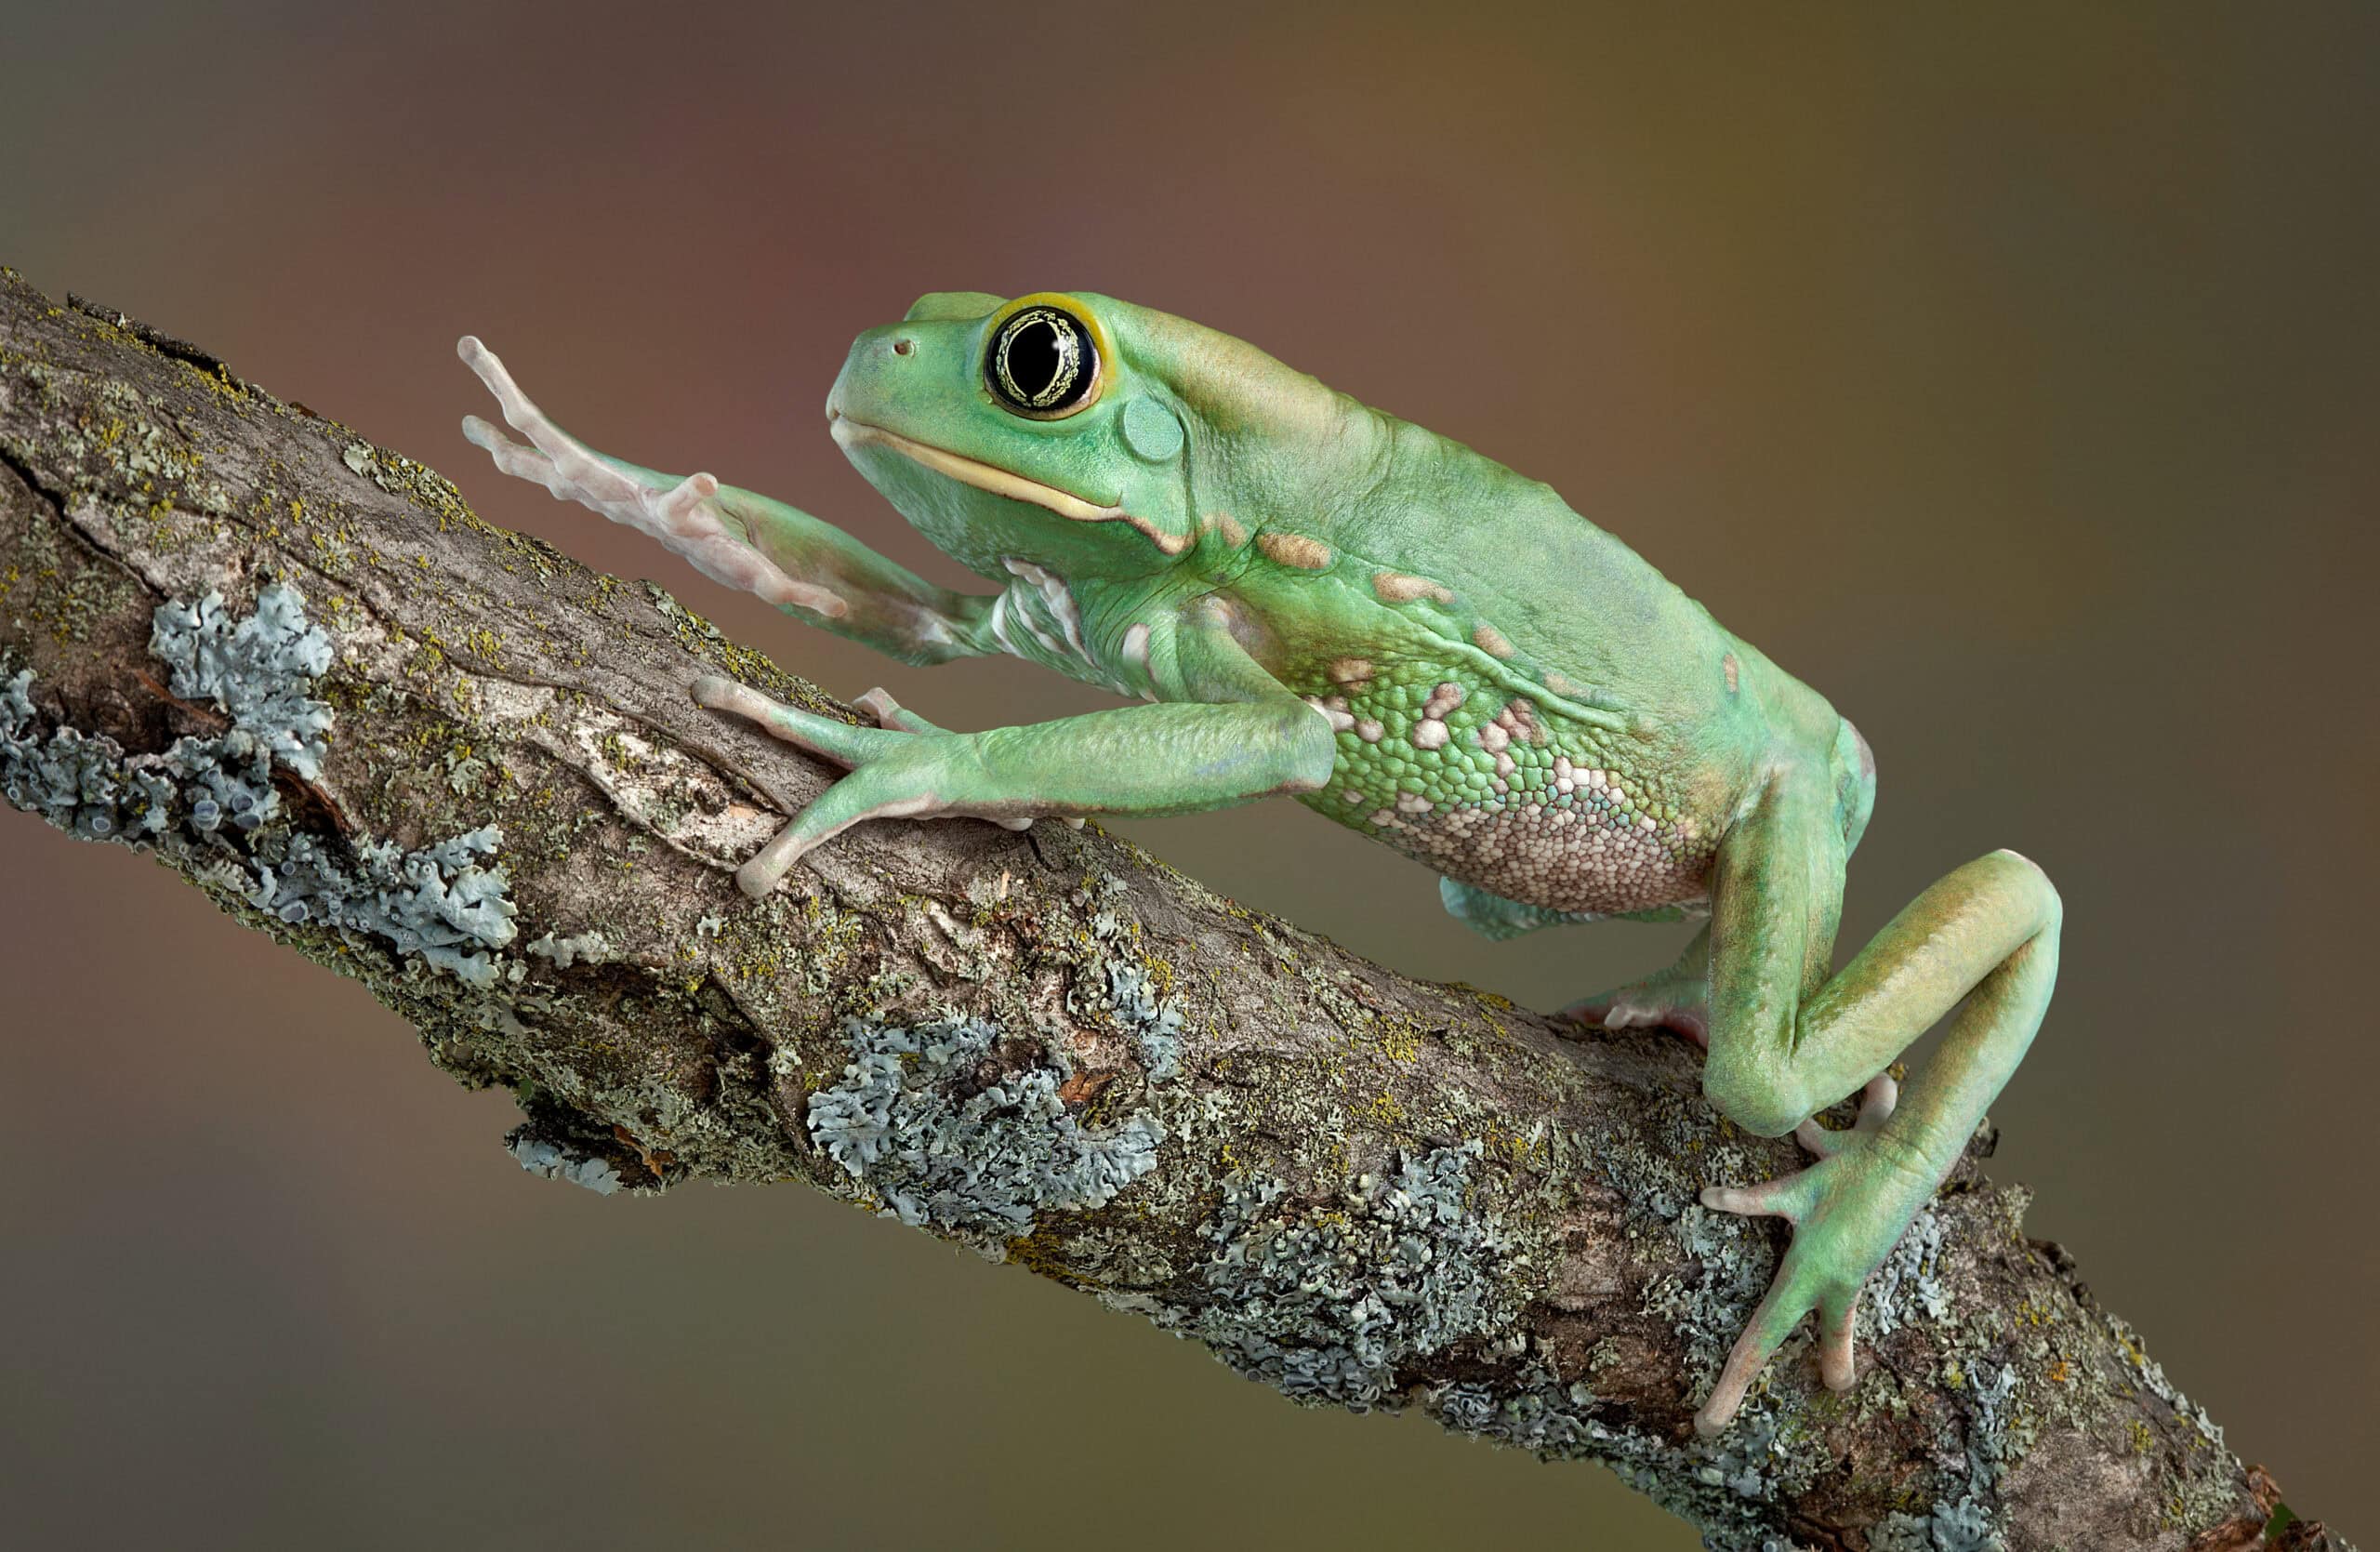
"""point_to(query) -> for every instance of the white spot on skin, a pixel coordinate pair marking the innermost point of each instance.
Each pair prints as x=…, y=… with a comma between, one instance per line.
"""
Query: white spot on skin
x=1136, y=647
x=1335, y=715
x=1353, y=672
x=1443, y=699
x=1369, y=731
x=999, y=626
x=1728, y=664
x=1055, y=598
x=1429, y=734
x=1412, y=802
x=1491, y=640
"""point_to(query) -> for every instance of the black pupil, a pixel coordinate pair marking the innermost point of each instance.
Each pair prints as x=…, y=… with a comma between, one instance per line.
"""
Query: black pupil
x=1042, y=361
x=1033, y=357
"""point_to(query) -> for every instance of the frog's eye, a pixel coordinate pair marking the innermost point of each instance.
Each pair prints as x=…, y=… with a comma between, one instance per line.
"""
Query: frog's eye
x=1043, y=363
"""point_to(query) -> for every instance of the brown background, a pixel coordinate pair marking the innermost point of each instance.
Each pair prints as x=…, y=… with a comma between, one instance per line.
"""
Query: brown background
x=2010, y=379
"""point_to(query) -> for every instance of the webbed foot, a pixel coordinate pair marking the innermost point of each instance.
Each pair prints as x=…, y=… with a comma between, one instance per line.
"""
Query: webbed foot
x=902, y=768
x=1668, y=1000
x=1848, y=1210
x=682, y=515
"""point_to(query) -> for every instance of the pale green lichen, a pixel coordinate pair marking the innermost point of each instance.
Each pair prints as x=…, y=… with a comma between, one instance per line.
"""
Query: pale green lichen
x=211, y=802
x=436, y=902
x=542, y=1158
x=1910, y=1279
x=1326, y=1303
x=259, y=669
x=917, y=1122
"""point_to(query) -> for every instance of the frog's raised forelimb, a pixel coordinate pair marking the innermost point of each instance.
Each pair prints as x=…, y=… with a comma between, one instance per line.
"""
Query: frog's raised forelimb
x=1786, y=1040
x=807, y=567
x=1240, y=737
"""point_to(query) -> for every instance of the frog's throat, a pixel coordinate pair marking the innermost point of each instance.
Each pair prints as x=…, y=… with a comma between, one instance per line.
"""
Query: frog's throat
x=849, y=433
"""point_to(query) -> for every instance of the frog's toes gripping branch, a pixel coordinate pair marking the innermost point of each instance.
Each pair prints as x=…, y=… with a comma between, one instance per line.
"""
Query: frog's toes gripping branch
x=1656, y=1002
x=682, y=514
x=1836, y=1297
x=878, y=758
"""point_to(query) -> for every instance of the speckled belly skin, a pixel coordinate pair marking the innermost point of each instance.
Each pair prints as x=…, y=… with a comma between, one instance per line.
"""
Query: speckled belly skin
x=1502, y=791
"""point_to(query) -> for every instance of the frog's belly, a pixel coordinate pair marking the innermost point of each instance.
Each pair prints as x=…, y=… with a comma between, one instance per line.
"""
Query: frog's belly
x=1500, y=800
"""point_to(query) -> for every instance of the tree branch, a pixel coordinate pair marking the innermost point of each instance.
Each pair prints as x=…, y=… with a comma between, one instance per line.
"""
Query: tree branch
x=449, y=762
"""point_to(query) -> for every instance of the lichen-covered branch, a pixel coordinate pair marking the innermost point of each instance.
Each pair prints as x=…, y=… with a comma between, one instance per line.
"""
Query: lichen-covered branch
x=449, y=762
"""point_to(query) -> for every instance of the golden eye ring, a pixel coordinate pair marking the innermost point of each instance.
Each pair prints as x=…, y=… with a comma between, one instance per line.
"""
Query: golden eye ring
x=1042, y=361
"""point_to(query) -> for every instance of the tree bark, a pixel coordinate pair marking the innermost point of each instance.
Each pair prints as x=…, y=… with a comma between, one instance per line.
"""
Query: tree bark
x=446, y=760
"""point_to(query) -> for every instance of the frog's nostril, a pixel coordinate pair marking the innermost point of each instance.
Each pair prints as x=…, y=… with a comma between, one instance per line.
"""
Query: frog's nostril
x=903, y=347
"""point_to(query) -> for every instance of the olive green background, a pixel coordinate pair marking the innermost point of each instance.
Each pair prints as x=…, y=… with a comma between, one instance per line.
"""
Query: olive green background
x=2011, y=378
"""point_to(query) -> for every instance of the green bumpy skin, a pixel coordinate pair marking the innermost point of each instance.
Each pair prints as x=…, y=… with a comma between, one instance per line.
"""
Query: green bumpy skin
x=1320, y=600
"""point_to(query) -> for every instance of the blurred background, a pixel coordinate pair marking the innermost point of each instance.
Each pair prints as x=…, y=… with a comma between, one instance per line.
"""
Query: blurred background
x=2009, y=377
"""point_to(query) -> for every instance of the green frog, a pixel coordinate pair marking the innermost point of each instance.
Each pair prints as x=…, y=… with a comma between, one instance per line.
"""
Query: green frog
x=1315, y=599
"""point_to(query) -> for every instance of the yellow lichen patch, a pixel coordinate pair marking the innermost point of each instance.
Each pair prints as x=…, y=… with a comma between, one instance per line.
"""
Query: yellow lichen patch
x=1395, y=587
x=1039, y=1252
x=1294, y=550
x=1400, y=1040
x=1384, y=1108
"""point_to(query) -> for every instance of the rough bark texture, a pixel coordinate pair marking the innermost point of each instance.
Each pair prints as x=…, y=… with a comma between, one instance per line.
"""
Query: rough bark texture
x=447, y=761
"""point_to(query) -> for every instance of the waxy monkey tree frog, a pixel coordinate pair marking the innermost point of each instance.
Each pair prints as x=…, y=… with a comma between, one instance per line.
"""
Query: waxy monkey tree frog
x=1320, y=600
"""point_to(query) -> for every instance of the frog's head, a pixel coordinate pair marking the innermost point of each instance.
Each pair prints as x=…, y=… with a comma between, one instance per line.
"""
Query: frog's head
x=1068, y=425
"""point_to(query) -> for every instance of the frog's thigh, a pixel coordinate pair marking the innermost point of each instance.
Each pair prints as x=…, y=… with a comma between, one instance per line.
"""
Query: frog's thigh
x=1786, y=1041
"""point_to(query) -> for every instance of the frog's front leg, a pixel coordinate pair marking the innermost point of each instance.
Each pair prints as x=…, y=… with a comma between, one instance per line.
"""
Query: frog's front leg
x=1178, y=756
x=1786, y=1040
x=807, y=567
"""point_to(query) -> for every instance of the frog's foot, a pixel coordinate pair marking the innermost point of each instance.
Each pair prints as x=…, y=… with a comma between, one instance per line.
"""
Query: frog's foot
x=683, y=516
x=905, y=769
x=1664, y=1002
x=1847, y=1210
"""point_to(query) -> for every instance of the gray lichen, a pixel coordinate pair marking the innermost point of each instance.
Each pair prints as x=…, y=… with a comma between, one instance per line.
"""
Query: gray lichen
x=436, y=902
x=935, y=1139
x=1325, y=1304
x=1910, y=1281
x=210, y=801
x=1154, y=1024
x=1730, y=1486
x=1150, y=1020
x=540, y=1156
x=259, y=669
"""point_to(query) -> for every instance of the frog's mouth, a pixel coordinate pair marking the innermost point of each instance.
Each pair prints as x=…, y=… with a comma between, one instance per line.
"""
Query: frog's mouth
x=849, y=433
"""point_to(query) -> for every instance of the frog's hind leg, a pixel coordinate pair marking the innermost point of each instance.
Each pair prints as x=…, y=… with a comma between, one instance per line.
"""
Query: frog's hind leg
x=1677, y=999
x=1787, y=1040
